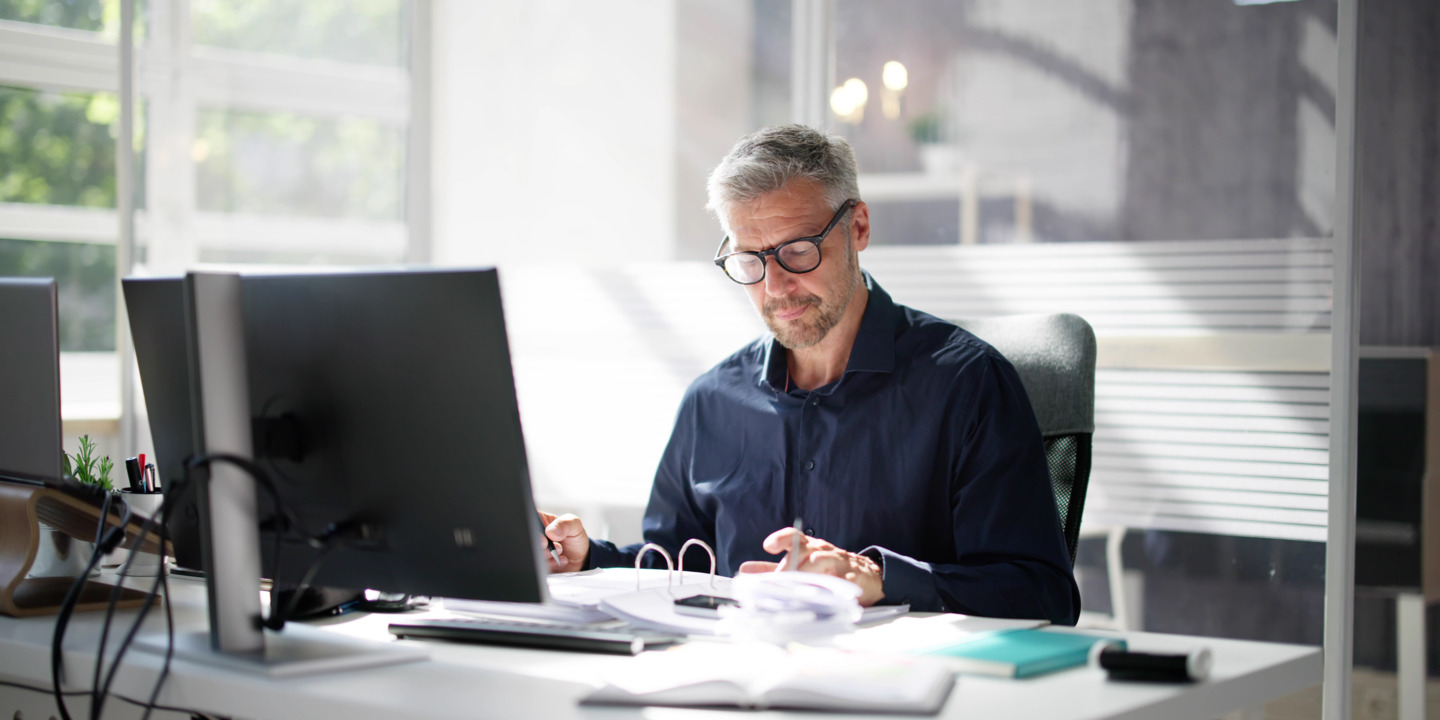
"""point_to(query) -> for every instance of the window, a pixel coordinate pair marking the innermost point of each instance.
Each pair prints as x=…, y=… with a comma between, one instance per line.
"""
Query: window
x=274, y=131
x=58, y=154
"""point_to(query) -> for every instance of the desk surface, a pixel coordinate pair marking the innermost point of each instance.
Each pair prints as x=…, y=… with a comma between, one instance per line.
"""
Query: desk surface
x=472, y=681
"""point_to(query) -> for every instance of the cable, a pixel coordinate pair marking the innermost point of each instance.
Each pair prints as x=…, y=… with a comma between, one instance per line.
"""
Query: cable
x=277, y=621
x=104, y=512
x=62, y=620
x=285, y=523
x=97, y=704
x=290, y=522
x=109, y=538
x=103, y=691
x=169, y=637
x=110, y=606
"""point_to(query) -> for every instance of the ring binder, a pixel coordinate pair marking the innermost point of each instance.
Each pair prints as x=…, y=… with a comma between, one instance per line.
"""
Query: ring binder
x=708, y=550
x=669, y=565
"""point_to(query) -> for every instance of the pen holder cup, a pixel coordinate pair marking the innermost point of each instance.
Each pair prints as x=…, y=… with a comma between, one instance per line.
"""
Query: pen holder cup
x=143, y=564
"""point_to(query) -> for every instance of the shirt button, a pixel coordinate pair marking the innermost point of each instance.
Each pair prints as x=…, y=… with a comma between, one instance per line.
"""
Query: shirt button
x=810, y=532
x=815, y=401
x=809, y=464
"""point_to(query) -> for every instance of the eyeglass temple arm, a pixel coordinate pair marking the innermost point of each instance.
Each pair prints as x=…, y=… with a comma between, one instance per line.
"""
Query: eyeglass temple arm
x=719, y=250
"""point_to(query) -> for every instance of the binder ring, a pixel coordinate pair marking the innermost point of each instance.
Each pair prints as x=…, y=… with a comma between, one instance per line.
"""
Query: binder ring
x=669, y=566
x=708, y=550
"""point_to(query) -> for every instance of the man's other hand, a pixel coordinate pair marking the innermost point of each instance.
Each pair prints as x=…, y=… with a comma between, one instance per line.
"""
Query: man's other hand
x=569, y=534
x=819, y=556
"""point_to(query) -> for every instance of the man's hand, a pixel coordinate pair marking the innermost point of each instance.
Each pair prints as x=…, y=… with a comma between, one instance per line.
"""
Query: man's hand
x=819, y=556
x=566, y=531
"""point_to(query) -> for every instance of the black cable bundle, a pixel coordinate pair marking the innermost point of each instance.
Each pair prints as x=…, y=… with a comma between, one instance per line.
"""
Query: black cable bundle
x=109, y=538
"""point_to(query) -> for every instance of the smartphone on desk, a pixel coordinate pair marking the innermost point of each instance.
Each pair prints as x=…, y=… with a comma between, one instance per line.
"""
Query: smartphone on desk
x=703, y=605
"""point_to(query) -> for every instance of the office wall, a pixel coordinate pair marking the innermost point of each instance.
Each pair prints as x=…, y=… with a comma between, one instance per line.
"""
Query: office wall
x=571, y=145
x=568, y=132
x=554, y=130
x=714, y=67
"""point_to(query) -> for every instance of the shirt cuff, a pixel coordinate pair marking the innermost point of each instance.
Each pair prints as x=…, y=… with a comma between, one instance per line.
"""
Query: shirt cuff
x=603, y=553
x=906, y=581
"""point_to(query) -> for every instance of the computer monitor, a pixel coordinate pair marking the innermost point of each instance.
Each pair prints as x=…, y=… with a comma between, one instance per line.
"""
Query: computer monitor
x=30, y=434
x=379, y=401
x=156, y=309
x=387, y=398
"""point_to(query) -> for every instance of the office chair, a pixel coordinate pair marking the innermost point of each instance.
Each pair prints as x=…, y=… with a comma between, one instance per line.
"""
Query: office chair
x=1055, y=356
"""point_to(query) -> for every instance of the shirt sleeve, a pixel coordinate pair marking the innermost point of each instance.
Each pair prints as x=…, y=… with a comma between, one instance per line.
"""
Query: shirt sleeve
x=672, y=515
x=1011, y=558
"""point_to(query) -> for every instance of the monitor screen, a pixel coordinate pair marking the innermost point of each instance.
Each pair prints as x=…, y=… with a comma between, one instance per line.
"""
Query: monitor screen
x=30, y=434
x=382, y=401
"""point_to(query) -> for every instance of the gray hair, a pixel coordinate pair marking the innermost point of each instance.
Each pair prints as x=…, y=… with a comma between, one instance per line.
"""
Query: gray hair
x=765, y=160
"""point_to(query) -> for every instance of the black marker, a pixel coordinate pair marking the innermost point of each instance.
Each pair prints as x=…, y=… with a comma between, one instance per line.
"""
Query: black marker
x=1192, y=666
x=132, y=473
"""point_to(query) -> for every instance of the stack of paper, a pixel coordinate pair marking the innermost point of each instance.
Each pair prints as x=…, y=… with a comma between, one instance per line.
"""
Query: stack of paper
x=605, y=594
x=576, y=597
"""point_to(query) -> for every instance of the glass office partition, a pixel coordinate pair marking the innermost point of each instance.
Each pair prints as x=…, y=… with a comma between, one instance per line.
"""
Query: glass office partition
x=1098, y=121
x=1165, y=169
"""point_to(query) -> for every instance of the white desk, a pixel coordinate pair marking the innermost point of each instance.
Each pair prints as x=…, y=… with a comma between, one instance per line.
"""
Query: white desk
x=472, y=681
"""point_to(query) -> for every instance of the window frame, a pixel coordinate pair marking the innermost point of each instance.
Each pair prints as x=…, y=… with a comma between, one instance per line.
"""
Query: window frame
x=175, y=77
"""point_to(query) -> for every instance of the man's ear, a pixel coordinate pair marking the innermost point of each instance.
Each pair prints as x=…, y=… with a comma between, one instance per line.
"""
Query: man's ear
x=860, y=226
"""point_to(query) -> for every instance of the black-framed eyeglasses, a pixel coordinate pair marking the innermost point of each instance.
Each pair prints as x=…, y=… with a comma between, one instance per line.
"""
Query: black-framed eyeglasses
x=797, y=256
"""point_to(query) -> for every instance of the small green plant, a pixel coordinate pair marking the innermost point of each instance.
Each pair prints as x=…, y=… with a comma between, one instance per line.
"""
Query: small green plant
x=927, y=128
x=87, y=468
x=933, y=127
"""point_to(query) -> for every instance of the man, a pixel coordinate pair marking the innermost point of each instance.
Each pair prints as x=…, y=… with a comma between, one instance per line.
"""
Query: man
x=883, y=428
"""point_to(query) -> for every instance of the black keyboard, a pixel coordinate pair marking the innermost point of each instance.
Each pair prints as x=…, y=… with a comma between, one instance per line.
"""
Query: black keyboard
x=521, y=633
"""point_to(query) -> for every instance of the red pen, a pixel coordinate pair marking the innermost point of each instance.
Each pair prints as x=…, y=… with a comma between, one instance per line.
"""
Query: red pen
x=143, y=483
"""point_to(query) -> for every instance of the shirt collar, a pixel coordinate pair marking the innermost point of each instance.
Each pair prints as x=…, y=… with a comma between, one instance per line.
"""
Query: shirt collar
x=873, y=351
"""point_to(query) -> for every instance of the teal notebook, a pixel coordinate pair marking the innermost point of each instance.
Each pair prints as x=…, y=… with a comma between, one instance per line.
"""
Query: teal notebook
x=1021, y=653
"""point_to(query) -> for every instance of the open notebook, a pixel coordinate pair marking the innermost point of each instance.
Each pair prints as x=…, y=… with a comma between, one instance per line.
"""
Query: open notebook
x=761, y=676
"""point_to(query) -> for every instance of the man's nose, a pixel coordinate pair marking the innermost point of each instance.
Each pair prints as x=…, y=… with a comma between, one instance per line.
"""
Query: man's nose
x=777, y=279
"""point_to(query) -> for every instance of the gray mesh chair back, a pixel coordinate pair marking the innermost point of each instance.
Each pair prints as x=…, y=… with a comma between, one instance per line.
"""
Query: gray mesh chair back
x=1055, y=356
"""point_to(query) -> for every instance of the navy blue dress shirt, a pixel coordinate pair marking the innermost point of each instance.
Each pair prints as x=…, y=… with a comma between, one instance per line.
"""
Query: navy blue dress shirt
x=925, y=455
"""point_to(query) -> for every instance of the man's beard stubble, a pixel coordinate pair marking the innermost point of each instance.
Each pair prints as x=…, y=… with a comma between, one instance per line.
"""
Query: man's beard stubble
x=802, y=334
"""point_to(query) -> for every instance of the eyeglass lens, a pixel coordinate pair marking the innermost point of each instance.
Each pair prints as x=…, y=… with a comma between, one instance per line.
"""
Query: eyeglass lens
x=800, y=256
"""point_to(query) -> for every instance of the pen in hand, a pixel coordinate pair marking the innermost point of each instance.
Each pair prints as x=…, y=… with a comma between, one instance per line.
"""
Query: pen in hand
x=550, y=545
x=794, y=559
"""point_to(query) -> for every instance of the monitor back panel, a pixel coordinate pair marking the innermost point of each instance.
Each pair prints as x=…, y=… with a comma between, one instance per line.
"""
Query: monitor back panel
x=402, y=389
x=156, y=308
x=30, y=434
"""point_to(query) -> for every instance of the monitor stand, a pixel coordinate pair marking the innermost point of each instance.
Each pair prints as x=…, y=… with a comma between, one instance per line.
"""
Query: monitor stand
x=299, y=650
x=229, y=524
